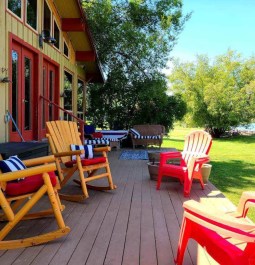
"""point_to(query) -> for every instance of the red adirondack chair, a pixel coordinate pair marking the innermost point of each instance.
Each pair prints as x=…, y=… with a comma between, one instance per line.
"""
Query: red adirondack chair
x=228, y=239
x=197, y=144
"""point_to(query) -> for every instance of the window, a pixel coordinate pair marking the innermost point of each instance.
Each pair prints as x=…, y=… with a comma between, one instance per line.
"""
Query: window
x=80, y=99
x=32, y=13
x=68, y=98
x=56, y=35
x=46, y=17
x=66, y=50
x=15, y=7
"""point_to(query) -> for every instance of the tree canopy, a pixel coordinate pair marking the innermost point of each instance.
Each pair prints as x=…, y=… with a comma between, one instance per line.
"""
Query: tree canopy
x=220, y=93
x=134, y=39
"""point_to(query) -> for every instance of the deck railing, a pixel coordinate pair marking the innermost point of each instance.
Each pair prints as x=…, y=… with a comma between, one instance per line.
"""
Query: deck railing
x=68, y=113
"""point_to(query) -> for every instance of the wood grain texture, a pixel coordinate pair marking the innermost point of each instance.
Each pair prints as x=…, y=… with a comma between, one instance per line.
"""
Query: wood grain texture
x=134, y=224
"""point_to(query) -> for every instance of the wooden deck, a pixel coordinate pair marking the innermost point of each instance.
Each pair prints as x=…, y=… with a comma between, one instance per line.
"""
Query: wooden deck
x=134, y=224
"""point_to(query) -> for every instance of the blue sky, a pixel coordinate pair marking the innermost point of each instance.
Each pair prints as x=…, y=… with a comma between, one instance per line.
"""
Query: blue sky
x=216, y=26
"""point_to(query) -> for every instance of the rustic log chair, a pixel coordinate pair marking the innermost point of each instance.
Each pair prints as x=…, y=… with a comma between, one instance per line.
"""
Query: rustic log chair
x=63, y=134
x=229, y=238
x=18, y=197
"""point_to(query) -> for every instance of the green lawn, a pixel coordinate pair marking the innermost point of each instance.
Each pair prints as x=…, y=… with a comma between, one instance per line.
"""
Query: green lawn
x=232, y=159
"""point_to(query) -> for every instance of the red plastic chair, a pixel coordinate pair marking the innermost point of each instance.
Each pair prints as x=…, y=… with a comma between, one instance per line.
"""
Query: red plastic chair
x=197, y=144
x=221, y=234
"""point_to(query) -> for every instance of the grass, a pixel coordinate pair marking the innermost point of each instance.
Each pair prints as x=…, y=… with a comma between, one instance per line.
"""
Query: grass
x=232, y=160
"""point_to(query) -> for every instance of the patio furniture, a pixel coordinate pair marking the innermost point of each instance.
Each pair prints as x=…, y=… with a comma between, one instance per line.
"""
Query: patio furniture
x=93, y=137
x=147, y=134
x=114, y=137
x=197, y=144
x=20, y=190
x=227, y=239
x=64, y=134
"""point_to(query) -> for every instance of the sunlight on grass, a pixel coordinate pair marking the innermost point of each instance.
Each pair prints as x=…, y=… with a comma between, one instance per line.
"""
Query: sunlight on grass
x=232, y=159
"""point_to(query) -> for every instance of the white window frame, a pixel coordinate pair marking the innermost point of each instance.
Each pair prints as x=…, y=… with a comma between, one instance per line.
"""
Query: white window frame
x=21, y=11
x=25, y=16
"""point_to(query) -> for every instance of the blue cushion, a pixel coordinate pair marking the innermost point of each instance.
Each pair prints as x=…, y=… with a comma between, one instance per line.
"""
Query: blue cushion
x=89, y=129
x=88, y=151
x=13, y=163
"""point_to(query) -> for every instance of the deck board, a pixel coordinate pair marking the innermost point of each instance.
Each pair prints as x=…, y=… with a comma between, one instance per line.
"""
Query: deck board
x=134, y=224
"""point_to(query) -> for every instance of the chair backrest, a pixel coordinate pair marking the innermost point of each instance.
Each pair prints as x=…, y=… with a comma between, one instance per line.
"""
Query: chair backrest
x=219, y=222
x=196, y=144
x=150, y=129
x=61, y=134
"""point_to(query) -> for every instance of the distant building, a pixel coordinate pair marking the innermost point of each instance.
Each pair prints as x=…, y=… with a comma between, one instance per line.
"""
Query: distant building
x=46, y=49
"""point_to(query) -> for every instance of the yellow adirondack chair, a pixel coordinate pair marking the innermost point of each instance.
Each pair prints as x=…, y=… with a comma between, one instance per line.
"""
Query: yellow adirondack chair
x=63, y=134
x=17, y=199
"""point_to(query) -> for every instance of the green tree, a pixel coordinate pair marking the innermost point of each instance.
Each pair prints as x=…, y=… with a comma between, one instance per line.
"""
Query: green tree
x=134, y=39
x=219, y=94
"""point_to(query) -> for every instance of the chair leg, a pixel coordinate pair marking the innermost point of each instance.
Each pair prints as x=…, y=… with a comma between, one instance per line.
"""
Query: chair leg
x=159, y=180
x=183, y=241
x=109, y=177
x=54, y=201
x=22, y=212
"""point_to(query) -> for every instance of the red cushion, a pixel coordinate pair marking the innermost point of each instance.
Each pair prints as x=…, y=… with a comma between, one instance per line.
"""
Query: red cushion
x=28, y=185
x=87, y=162
x=97, y=135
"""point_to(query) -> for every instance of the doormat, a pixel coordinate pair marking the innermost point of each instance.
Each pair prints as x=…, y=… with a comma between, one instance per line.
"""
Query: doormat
x=134, y=155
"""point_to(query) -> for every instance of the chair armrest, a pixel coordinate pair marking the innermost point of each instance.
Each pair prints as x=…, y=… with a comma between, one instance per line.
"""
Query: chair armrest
x=24, y=173
x=164, y=156
x=102, y=149
x=38, y=160
x=246, y=201
x=219, y=222
x=201, y=160
x=69, y=153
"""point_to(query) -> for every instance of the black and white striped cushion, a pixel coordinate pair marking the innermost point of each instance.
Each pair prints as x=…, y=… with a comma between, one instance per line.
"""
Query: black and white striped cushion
x=97, y=141
x=88, y=151
x=13, y=163
x=148, y=137
x=135, y=132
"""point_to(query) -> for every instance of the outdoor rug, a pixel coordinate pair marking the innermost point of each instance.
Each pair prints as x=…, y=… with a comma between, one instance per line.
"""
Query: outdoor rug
x=134, y=155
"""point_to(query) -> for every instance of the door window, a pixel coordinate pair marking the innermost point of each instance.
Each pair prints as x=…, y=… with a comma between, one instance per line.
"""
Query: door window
x=27, y=96
x=21, y=93
x=15, y=81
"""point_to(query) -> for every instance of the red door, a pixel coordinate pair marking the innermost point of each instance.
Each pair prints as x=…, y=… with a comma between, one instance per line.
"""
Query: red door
x=50, y=92
x=22, y=107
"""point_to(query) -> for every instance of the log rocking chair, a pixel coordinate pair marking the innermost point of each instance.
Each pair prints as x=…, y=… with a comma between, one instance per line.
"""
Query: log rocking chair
x=64, y=134
x=22, y=189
